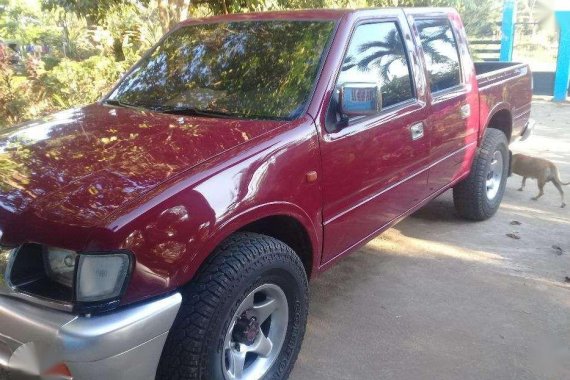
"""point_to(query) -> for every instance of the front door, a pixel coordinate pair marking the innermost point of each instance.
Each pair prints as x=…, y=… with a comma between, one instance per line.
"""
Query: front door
x=374, y=166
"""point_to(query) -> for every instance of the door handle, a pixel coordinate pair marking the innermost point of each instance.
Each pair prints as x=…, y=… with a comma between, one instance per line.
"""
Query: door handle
x=465, y=111
x=417, y=131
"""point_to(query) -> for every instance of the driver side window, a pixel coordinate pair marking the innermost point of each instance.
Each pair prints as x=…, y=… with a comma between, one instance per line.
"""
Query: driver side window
x=376, y=54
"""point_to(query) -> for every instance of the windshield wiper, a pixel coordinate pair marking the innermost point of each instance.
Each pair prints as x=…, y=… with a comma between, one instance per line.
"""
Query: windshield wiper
x=191, y=111
x=115, y=102
x=176, y=110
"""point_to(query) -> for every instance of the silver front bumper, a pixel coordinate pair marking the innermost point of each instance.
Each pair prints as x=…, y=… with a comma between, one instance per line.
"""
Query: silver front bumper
x=122, y=345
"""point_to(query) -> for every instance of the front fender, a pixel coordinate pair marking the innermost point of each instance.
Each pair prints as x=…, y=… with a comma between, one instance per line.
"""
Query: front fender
x=174, y=230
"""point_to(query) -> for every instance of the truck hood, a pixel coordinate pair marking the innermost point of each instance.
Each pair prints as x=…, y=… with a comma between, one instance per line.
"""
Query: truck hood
x=78, y=166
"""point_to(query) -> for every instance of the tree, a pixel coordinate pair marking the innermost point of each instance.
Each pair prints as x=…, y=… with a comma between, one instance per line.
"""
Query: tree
x=93, y=11
x=172, y=11
x=106, y=13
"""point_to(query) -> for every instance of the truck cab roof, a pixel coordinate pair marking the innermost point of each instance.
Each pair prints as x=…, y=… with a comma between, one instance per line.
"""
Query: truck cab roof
x=313, y=14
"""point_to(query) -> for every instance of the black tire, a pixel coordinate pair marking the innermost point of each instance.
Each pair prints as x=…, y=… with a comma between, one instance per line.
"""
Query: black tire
x=470, y=195
x=243, y=262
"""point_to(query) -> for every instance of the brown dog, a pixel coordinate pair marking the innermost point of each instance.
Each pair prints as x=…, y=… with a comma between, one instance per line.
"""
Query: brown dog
x=543, y=170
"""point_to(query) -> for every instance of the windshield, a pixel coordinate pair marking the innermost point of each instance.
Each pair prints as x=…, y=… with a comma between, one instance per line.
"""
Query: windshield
x=248, y=69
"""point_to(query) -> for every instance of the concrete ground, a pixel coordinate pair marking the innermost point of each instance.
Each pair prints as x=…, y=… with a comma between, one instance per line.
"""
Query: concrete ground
x=437, y=297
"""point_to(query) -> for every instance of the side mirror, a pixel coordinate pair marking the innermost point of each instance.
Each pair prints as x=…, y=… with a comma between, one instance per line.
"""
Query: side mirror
x=358, y=99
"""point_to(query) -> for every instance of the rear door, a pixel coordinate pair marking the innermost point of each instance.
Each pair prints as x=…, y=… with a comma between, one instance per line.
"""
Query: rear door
x=374, y=166
x=452, y=127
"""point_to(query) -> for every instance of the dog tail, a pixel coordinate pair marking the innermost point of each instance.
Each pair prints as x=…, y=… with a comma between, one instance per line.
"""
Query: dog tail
x=557, y=177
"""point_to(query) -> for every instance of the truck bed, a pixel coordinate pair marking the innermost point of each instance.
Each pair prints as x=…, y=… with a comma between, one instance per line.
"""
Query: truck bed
x=482, y=68
x=505, y=86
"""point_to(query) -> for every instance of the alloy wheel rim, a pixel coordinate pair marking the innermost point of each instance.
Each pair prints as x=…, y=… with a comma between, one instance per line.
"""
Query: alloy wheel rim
x=494, y=176
x=256, y=334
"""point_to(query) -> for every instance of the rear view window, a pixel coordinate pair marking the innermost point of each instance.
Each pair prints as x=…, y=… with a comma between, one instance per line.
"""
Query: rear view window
x=440, y=49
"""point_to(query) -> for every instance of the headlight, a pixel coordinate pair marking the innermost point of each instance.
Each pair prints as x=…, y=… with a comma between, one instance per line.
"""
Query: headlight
x=101, y=277
x=60, y=265
x=79, y=282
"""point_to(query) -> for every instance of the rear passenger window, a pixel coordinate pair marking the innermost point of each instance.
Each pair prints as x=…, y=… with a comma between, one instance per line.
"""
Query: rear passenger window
x=440, y=50
x=376, y=54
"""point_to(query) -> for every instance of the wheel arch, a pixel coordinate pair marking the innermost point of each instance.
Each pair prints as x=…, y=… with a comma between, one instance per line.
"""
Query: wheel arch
x=288, y=230
x=500, y=118
x=281, y=220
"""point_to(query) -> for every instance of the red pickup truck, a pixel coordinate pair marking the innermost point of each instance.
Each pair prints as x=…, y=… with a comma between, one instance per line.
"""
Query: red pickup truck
x=169, y=230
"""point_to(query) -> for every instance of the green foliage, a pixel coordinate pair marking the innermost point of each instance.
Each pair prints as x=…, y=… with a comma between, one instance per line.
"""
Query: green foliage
x=50, y=62
x=25, y=22
x=68, y=84
x=95, y=11
x=72, y=83
x=19, y=99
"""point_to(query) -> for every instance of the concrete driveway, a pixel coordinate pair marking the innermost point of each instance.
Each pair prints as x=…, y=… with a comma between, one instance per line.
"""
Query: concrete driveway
x=437, y=297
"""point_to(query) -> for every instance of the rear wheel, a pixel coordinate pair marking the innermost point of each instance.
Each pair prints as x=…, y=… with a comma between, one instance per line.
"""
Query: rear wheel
x=479, y=196
x=242, y=317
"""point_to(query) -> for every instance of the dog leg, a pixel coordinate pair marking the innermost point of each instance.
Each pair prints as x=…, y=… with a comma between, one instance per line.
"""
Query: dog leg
x=523, y=184
x=540, y=190
x=559, y=187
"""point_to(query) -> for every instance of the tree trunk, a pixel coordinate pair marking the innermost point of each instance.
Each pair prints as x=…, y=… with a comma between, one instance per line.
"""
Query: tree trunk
x=164, y=14
x=118, y=49
x=183, y=9
x=65, y=35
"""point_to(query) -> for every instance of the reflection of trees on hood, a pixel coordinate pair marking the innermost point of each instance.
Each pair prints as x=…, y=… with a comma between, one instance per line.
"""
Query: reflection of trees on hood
x=100, y=159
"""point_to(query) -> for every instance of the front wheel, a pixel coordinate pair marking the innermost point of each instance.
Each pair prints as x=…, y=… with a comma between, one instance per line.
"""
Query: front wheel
x=479, y=196
x=243, y=317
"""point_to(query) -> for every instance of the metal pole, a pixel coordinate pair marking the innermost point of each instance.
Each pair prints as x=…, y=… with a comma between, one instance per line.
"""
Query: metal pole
x=508, y=30
x=563, y=62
